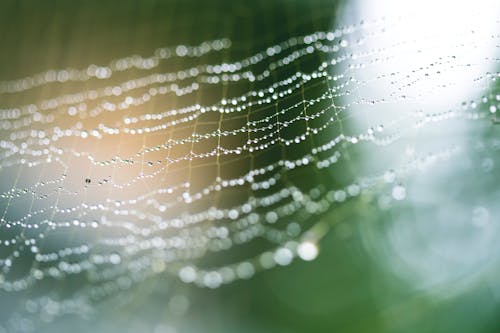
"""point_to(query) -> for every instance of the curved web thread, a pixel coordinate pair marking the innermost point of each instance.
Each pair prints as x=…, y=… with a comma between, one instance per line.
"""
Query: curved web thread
x=113, y=185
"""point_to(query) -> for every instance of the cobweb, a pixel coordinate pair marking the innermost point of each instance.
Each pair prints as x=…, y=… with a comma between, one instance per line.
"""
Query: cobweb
x=206, y=173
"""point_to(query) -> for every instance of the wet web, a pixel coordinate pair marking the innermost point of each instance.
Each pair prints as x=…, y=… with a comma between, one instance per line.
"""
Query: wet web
x=173, y=166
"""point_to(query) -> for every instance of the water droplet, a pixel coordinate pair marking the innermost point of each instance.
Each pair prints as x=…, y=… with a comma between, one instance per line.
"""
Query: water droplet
x=398, y=192
x=307, y=251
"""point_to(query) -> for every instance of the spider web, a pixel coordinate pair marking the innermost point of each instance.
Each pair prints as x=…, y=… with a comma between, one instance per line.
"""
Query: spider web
x=205, y=172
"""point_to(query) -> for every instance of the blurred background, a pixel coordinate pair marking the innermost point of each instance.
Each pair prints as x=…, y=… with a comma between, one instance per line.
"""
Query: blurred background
x=235, y=166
